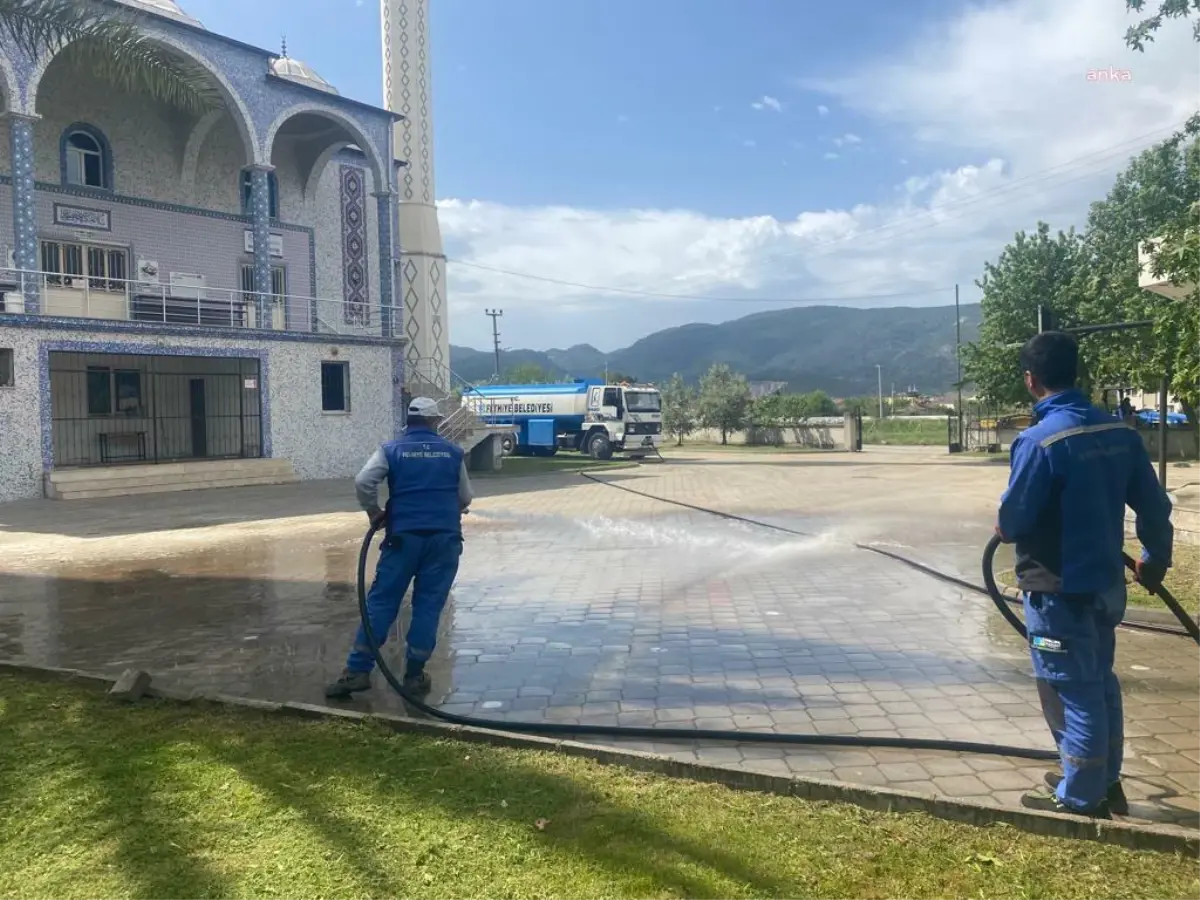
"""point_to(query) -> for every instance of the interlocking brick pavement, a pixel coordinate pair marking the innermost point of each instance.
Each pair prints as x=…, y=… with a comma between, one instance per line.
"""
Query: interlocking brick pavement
x=580, y=604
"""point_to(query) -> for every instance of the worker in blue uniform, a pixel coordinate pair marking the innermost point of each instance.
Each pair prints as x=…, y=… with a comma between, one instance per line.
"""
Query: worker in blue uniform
x=428, y=493
x=1073, y=473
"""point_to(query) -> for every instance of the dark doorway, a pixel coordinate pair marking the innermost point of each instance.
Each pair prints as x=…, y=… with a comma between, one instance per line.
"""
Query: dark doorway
x=109, y=408
x=199, y=418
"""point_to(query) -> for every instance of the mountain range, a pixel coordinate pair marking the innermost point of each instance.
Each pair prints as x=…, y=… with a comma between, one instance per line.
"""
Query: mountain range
x=830, y=348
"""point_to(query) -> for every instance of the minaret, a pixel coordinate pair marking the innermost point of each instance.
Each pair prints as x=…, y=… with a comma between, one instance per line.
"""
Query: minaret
x=421, y=273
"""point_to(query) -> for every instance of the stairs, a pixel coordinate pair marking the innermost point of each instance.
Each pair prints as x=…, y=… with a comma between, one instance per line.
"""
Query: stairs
x=460, y=424
x=124, y=481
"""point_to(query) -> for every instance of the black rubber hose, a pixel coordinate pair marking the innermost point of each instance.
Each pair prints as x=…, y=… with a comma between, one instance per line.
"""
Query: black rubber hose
x=1002, y=604
x=661, y=734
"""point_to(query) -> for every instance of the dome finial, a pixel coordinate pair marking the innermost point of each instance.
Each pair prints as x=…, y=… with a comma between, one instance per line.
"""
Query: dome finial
x=284, y=48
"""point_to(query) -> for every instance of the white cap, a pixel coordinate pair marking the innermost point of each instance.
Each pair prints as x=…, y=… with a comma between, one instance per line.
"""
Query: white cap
x=424, y=407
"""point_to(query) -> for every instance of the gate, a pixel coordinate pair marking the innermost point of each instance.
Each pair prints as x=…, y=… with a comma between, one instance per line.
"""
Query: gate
x=114, y=408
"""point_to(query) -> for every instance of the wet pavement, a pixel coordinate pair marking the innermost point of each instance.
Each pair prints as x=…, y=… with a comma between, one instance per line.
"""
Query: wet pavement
x=578, y=603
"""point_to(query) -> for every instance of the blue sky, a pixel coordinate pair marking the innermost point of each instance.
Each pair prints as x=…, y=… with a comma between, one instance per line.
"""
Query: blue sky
x=713, y=147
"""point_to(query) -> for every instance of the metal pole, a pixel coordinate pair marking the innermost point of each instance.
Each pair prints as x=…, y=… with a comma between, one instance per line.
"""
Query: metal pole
x=958, y=358
x=1162, y=431
x=879, y=375
x=496, y=314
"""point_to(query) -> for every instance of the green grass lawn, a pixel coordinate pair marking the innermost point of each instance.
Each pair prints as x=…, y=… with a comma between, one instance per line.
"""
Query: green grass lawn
x=921, y=432
x=165, y=800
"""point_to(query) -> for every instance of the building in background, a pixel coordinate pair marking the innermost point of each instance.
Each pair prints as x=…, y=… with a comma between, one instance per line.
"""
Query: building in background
x=194, y=288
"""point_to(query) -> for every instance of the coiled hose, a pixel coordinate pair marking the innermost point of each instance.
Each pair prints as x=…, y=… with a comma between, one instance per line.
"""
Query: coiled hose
x=1191, y=629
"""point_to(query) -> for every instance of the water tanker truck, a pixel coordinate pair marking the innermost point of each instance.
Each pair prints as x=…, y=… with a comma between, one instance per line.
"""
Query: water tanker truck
x=587, y=416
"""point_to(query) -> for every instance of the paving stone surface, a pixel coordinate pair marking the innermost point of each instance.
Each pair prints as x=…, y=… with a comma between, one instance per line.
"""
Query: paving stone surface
x=578, y=603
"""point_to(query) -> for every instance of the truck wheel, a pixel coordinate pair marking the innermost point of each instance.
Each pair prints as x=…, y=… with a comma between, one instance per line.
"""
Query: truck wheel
x=507, y=444
x=599, y=446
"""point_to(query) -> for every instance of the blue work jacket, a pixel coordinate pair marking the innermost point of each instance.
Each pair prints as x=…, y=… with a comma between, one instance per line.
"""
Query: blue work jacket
x=1073, y=473
x=423, y=483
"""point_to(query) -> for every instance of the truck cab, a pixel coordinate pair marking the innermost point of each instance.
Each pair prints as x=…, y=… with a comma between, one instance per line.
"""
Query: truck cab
x=624, y=418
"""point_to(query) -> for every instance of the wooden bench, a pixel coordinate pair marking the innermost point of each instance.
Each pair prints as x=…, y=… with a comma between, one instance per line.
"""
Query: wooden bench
x=107, y=437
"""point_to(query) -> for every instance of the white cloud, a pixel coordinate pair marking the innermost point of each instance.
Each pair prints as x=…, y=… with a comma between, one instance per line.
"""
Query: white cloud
x=767, y=102
x=831, y=155
x=847, y=140
x=822, y=110
x=1001, y=92
x=750, y=144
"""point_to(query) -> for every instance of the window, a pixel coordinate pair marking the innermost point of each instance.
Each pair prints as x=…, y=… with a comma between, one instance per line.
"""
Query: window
x=278, y=280
x=612, y=397
x=68, y=264
x=7, y=369
x=335, y=387
x=112, y=392
x=272, y=194
x=86, y=159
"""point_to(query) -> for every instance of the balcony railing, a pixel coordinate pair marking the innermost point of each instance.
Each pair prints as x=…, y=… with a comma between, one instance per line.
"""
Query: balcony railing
x=188, y=304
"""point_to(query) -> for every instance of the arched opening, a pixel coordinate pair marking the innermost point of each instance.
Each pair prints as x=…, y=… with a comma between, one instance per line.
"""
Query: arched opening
x=303, y=141
x=85, y=157
x=141, y=154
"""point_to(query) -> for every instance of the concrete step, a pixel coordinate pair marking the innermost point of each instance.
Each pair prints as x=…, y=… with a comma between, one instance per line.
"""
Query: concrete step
x=93, y=474
x=119, y=481
x=97, y=493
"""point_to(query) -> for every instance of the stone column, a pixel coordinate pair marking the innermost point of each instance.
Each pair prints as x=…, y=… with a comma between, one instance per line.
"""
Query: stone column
x=422, y=283
x=25, y=243
x=260, y=215
x=387, y=264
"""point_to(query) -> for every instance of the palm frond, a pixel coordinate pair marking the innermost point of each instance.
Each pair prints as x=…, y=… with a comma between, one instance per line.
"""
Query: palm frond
x=110, y=46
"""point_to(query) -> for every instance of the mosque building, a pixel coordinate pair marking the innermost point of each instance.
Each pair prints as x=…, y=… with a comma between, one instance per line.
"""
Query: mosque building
x=216, y=298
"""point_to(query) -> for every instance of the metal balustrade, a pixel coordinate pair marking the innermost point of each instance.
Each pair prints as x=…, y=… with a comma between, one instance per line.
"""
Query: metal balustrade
x=186, y=302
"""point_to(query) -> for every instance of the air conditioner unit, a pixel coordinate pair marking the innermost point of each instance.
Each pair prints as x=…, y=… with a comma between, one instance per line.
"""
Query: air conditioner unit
x=187, y=285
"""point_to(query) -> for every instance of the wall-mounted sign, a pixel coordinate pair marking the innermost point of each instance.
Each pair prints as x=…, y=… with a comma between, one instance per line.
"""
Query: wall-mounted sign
x=82, y=217
x=250, y=383
x=276, y=243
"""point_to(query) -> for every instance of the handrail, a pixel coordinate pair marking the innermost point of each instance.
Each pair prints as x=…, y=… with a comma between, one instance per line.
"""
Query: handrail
x=181, y=303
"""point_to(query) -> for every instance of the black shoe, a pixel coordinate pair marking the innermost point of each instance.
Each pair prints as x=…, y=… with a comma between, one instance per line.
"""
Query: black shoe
x=1117, y=803
x=418, y=685
x=1047, y=801
x=348, y=683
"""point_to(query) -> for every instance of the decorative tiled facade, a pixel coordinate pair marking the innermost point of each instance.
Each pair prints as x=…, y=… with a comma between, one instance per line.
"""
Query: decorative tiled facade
x=354, y=245
x=172, y=201
x=422, y=263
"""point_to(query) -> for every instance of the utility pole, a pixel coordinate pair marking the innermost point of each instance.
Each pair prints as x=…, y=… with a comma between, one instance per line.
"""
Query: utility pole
x=958, y=358
x=496, y=314
x=879, y=375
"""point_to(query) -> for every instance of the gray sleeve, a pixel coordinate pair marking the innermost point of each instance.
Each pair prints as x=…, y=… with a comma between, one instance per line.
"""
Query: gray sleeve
x=367, y=482
x=465, y=494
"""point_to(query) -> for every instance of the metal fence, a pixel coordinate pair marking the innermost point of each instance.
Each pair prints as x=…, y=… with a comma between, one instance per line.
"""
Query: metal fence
x=188, y=302
x=109, y=408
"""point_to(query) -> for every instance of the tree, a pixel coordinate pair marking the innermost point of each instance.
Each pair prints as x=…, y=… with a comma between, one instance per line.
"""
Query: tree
x=1143, y=32
x=679, y=402
x=792, y=409
x=724, y=400
x=527, y=373
x=1034, y=269
x=107, y=44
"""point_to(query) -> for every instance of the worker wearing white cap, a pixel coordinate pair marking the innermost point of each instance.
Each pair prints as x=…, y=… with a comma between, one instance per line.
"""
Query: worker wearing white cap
x=428, y=492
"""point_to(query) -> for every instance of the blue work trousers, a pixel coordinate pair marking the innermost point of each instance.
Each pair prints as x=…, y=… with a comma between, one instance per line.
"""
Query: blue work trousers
x=430, y=562
x=1073, y=641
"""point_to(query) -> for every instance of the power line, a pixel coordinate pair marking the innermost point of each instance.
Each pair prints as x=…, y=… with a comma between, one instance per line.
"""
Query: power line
x=603, y=289
x=1013, y=189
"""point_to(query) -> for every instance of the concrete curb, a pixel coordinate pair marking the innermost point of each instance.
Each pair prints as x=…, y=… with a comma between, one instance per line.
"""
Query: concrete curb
x=1158, y=838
